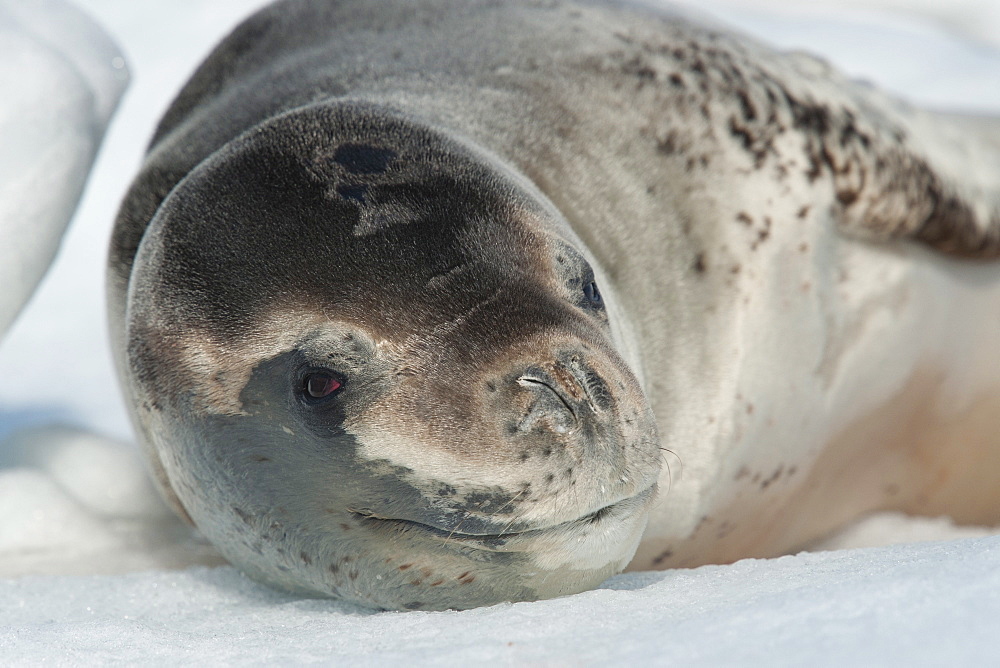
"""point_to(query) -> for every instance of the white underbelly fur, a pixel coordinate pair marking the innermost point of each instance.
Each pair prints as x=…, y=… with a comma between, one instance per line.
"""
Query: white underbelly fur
x=866, y=379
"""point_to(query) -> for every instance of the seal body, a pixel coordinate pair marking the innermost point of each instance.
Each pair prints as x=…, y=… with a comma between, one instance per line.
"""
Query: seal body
x=431, y=304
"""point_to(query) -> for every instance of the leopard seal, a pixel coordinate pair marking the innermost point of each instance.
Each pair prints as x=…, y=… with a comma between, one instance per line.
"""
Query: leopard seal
x=438, y=304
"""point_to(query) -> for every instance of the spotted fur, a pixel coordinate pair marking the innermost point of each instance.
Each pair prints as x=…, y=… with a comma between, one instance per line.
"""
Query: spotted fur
x=420, y=195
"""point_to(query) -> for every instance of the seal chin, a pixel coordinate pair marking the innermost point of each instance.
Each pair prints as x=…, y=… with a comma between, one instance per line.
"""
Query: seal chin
x=468, y=570
x=407, y=565
x=520, y=540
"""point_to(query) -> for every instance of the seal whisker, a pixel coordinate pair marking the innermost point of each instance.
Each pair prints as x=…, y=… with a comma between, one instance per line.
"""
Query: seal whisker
x=515, y=517
x=666, y=465
x=455, y=530
x=510, y=501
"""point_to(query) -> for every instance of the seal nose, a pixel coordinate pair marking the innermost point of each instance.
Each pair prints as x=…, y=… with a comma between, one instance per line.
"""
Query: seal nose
x=548, y=409
x=556, y=398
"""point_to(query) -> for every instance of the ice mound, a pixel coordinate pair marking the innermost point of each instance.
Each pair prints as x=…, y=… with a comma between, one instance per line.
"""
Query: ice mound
x=74, y=502
x=61, y=78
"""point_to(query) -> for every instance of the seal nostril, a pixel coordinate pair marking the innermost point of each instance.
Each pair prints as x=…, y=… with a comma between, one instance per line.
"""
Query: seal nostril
x=528, y=382
x=549, y=405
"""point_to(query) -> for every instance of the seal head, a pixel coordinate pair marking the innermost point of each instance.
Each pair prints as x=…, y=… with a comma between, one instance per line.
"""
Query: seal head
x=373, y=362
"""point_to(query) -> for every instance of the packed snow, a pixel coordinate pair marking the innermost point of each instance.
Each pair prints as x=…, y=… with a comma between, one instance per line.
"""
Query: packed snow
x=915, y=605
x=79, y=516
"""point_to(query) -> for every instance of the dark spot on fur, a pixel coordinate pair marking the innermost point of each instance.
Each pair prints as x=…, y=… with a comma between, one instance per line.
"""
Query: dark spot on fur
x=744, y=218
x=849, y=133
x=662, y=556
x=667, y=145
x=466, y=578
x=333, y=568
x=437, y=583
x=353, y=192
x=345, y=527
x=413, y=605
x=749, y=111
x=637, y=67
x=847, y=197
x=403, y=567
x=724, y=530
x=742, y=473
x=742, y=133
x=549, y=478
x=699, y=263
x=773, y=477
x=242, y=514
x=804, y=211
x=261, y=458
x=306, y=559
x=810, y=117
x=363, y=159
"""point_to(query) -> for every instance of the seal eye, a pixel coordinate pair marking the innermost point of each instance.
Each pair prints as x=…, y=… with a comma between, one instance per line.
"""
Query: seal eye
x=318, y=385
x=592, y=294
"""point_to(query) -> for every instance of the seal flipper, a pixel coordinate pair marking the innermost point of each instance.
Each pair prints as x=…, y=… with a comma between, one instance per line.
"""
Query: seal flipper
x=935, y=179
x=975, y=150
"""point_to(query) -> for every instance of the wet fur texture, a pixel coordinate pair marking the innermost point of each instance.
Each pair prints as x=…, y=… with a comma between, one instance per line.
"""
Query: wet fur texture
x=415, y=193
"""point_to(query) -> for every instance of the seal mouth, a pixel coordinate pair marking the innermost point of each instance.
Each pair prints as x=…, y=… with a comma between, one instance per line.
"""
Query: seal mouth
x=499, y=542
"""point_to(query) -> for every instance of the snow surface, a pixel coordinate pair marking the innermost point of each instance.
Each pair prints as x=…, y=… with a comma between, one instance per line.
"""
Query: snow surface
x=74, y=504
x=917, y=605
